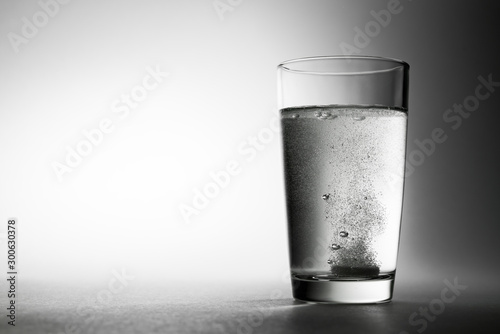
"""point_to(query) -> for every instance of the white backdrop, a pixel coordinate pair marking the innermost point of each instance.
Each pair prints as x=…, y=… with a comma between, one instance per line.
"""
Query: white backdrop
x=116, y=115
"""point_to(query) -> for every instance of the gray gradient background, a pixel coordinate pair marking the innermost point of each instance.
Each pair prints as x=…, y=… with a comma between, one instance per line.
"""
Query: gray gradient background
x=120, y=208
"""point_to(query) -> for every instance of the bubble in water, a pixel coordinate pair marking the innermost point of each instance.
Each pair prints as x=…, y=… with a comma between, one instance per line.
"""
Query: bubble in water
x=295, y=116
x=343, y=234
x=325, y=196
x=359, y=118
x=323, y=115
x=335, y=246
x=329, y=261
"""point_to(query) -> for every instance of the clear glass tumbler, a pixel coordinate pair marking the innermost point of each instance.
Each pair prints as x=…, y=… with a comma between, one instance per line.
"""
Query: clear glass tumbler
x=344, y=122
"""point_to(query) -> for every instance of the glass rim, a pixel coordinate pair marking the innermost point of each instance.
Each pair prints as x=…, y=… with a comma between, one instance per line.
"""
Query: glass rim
x=397, y=64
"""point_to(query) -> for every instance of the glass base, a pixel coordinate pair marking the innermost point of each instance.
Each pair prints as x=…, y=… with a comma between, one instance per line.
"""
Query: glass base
x=342, y=290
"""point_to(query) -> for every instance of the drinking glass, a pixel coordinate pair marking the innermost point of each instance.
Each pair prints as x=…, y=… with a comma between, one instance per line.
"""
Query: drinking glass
x=344, y=122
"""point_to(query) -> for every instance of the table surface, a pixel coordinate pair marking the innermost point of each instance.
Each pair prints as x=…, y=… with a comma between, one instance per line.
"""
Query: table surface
x=247, y=309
